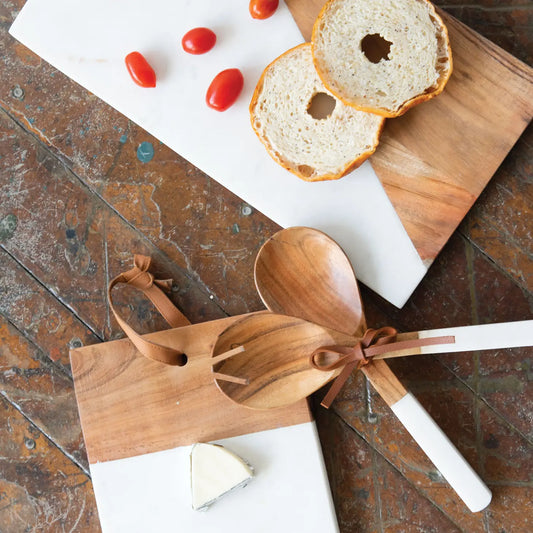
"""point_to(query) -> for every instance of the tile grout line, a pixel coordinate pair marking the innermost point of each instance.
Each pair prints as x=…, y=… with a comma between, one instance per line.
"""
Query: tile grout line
x=474, y=316
x=64, y=163
x=370, y=416
x=426, y=497
x=47, y=436
x=106, y=281
x=377, y=491
x=487, y=405
x=481, y=455
x=50, y=292
x=488, y=257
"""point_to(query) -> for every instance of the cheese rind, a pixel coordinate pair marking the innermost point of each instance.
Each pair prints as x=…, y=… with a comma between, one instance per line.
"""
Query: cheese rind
x=215, y=471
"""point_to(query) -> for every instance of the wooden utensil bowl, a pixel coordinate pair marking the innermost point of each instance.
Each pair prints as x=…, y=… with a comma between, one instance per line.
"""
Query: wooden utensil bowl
x=310, y=253
x=275, y=360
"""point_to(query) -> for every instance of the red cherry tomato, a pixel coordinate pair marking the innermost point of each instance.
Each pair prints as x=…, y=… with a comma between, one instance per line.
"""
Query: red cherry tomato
x=262, y=9
x=198, y=40
x=224, y=89
x=140, y=70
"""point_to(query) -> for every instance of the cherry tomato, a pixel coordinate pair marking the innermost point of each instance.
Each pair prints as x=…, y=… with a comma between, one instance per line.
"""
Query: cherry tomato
x=262, y=9
x=224, y=89
x=140, y=70
x=198, y=41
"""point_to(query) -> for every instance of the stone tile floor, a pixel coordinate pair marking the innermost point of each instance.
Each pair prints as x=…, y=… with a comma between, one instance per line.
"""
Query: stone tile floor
x=75, y=201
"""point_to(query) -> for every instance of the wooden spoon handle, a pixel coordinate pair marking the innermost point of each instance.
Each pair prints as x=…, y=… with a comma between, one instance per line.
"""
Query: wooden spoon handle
x=468, y=338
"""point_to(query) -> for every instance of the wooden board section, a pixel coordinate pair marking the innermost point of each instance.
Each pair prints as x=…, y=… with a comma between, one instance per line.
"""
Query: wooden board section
x=130, y=405
x=436, y=159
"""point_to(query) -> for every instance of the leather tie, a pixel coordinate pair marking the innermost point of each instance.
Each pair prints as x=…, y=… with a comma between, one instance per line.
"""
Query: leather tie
x=140, y=278
x=374, y=342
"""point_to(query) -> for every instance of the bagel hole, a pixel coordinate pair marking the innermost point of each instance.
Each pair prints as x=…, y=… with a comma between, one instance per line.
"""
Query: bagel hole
x=321, y=106
x=306, y=170
x=375, y=47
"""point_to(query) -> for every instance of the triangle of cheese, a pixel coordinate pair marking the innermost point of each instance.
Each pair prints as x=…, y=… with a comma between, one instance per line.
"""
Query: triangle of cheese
x=214, y=472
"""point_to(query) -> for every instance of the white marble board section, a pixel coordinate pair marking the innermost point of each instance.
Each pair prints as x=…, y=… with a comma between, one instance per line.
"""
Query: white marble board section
x=88, y=42
x=290, y=491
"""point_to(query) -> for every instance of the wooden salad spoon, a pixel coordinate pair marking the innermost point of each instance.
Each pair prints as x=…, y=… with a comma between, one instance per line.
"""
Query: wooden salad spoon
x=304, y=273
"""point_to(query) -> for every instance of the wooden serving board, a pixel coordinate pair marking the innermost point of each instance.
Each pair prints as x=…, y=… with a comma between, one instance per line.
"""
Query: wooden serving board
x=436, y=159
x=130, y=405
x=139, y=418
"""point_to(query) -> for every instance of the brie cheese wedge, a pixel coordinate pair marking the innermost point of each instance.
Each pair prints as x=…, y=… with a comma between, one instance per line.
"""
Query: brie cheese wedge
x=214, y=472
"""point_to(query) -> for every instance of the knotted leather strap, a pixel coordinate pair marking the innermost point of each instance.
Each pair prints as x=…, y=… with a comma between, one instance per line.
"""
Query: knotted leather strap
x=140, y=278
x=374, y=342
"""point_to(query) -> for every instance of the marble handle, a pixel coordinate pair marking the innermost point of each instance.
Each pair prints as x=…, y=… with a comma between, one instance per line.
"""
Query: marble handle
x=444, y=455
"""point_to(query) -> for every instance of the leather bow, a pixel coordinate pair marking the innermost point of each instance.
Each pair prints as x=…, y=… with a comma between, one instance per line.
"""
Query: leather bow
x=374, y=342
x=140, y=278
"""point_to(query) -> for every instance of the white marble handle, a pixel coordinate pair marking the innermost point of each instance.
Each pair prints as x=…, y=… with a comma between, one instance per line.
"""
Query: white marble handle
x=444, y=455
x=470, y=338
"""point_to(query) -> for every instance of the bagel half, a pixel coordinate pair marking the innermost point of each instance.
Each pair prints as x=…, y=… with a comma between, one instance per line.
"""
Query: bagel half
x=315, y=149
x=382, y=56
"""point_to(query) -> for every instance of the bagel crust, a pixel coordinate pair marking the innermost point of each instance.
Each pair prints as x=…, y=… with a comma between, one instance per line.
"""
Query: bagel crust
x=314, y=149
x=416, y=67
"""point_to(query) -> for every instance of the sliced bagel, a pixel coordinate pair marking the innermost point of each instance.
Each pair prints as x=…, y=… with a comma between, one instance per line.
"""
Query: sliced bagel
x=314, y=149
x=382, y=56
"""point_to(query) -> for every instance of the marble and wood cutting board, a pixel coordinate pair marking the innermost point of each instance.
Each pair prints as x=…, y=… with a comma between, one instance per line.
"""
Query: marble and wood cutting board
x=140, y=417
x=436, y=159
x=392, y=216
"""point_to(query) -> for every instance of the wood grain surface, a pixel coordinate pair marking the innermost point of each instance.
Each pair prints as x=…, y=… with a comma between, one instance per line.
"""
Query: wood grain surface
x=130, y=405
x=436, y=159
x=76, y=202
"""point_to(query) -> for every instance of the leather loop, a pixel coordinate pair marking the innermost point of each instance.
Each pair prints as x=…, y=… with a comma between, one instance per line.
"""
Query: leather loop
x=374, y=342
x=140, y=278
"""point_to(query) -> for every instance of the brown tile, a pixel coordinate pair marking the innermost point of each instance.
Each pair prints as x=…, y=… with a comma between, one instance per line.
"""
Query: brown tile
x=498, y=297
x=40, y=488
x=369, y=494
x=73, y=243
x=36, y=312
x=505, y=384
x=510, y=510
x=194, y=220
x=404, y=509
x=349, y=462
x=508, y=24
x=506, y=454
x=42, y=392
